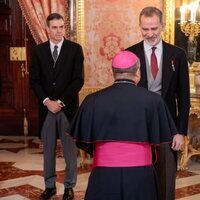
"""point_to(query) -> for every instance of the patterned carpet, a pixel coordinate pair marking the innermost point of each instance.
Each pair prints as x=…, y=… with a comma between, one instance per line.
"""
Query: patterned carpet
x=21, y=176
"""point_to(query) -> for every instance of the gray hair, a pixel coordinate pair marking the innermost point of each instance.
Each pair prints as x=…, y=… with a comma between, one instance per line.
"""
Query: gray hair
x=149, y=12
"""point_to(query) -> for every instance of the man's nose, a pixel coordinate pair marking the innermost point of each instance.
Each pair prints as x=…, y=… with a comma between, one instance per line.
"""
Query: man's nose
x=59, y=30
x=150, y=33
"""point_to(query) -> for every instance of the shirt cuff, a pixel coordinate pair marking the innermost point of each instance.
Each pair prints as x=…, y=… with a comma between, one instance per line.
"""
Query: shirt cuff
x=45, y=100
x=60, y=102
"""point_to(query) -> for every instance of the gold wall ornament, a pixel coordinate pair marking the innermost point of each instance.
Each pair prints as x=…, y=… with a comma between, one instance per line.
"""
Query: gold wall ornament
x=191, y=29
x=17, y=53
x=189, y=23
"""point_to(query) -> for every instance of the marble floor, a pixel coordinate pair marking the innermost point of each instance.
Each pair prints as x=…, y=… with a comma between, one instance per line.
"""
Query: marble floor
x=21, y=173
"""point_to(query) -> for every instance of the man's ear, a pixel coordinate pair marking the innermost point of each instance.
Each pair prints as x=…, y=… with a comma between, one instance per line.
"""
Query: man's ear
x=163, y=27
x=137, y=76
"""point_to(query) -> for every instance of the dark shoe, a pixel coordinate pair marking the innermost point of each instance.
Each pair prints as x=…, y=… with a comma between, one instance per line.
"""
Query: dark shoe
x=68, y=194
x=48, y=193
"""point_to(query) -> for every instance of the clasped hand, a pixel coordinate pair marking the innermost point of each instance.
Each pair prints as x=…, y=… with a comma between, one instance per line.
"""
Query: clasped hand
x=53, y=106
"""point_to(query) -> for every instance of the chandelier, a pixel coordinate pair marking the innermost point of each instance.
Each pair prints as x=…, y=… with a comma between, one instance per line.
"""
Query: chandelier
x=189, y=23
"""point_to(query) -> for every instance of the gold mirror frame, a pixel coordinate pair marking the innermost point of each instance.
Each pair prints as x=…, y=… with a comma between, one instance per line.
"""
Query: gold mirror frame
x=168, y=10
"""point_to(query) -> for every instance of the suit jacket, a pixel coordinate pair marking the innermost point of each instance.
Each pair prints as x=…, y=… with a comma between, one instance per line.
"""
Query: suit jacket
x=175, y=81
x=122, y=112
x=62, y=80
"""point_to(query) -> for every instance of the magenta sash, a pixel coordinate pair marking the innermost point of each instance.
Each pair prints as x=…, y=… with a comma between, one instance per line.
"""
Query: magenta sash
x=122, y=154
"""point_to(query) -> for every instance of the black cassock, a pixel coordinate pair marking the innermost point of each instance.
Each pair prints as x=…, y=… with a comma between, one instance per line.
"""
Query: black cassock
x=122, y=112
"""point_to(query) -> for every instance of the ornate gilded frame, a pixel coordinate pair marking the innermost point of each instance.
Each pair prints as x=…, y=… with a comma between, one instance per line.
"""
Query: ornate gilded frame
x=80, y=22
x=169, y=14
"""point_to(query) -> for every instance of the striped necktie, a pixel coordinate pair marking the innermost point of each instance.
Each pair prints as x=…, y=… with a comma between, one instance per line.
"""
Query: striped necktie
x=55, y=53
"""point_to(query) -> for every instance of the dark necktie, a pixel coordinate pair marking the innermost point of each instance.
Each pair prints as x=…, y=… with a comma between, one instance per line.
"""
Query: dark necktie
x=55, y=53
x=154, y=63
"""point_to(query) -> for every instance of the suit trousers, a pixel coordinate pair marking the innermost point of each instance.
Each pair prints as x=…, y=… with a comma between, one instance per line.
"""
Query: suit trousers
x=166, y=171
x=53, y=124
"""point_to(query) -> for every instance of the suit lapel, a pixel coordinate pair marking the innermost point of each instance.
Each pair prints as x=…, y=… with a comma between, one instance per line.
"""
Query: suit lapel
x=49, y=58
x=61, y=57
x=140, y=53
x=167, y=68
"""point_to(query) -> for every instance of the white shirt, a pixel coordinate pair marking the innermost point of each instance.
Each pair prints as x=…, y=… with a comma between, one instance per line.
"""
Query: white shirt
x=59, y=45
x=158, y=52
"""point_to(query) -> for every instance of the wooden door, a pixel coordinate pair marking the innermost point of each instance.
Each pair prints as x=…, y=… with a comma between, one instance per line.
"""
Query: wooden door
x=18, y=105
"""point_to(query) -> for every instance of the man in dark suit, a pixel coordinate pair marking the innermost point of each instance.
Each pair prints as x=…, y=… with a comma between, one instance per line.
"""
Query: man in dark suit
x=56, y=76
x=164, y=70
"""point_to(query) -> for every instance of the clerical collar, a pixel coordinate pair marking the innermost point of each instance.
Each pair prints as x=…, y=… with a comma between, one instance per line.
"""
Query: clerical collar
x=125, y=81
